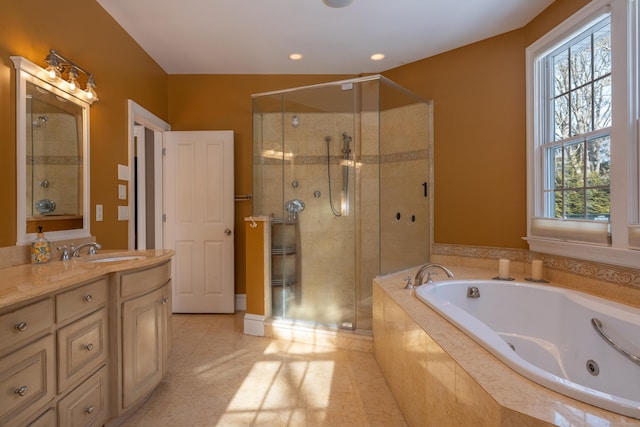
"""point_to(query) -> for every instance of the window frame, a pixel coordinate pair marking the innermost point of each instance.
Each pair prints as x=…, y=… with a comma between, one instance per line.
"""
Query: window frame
x=625, y=157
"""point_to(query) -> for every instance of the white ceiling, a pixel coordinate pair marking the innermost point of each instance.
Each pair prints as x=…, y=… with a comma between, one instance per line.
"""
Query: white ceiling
x=257, y=36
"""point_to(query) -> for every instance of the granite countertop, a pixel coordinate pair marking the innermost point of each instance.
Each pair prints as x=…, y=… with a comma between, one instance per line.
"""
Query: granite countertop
x=25, y=282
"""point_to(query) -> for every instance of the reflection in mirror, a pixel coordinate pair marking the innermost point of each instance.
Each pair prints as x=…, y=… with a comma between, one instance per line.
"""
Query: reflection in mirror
x=54, y=162
x=52, y=137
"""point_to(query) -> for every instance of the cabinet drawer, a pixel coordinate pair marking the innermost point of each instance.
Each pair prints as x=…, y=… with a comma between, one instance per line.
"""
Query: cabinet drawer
x=20, y=325
x=27, y=380
x=48, y=419
x=87, y=405
x=82, y=347
x=81, y=300
x=141, y=281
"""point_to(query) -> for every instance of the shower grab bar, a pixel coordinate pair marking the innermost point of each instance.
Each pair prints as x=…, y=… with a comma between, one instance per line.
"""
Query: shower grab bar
x=243, y=197
x=597, y=325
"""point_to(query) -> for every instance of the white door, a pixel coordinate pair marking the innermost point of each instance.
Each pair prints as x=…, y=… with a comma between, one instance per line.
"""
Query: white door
x=198, y=197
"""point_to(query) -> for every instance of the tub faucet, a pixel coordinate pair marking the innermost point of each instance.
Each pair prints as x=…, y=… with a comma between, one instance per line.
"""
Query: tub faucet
x=75, y=252
x=425, y=268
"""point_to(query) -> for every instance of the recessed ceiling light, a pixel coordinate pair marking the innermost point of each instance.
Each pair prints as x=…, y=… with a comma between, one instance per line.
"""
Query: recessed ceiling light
x=337, y=3
x=377, y=57
x=295, y=56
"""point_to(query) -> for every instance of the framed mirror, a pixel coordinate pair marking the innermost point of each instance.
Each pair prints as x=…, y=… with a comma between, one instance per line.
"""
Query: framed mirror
x=52, y=157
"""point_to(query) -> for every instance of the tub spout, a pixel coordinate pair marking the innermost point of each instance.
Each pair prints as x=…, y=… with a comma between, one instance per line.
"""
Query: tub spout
x=425, y=269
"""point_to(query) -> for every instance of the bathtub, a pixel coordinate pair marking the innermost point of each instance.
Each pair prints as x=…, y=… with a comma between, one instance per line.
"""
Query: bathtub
x=546, y=334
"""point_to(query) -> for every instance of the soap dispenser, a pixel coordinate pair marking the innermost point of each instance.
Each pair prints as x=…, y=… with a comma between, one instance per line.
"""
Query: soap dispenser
x=40, y=249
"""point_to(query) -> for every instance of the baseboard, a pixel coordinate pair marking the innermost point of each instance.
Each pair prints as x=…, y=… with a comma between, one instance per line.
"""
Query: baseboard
x=254, y=324
x=241, y=302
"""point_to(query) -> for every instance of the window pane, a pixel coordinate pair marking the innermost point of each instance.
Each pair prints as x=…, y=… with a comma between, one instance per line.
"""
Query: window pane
x=602, y=51
x=554, y=162
x=581, y=110
x=574, y=204
x=602, y=103
x=598, y=204
x=561, y=73
x=574, y=165
x=581, y=63
x=561, y=117
x=558, y=204
x=599, y=162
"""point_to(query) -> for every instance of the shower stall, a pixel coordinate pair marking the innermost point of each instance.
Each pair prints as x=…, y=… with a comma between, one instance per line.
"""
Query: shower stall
x=343, y=170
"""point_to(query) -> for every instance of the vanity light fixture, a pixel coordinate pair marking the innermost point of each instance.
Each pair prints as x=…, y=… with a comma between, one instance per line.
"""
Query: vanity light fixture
x=58, y=65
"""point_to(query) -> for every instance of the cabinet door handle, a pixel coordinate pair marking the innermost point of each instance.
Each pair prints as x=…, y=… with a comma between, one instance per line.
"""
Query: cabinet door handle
x=88, y=298
x=88, y=347
x=21, y=326
x=89, y=410
x=21, y=391
x=165, y=300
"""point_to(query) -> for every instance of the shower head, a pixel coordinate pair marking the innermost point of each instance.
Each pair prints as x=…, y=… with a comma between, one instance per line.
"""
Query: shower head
x=39, y=121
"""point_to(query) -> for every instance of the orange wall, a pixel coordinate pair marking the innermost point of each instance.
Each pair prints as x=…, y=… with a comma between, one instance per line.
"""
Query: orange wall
x=83, y=32
x=479, y=137
x=480, y=132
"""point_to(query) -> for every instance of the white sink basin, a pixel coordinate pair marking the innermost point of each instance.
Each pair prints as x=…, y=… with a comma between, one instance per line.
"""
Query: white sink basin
x=116, y=258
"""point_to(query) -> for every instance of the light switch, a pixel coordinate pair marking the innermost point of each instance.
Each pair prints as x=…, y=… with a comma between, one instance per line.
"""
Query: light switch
x=122, y=192
x=99, y=216
x=123, y=213
x=123, y=172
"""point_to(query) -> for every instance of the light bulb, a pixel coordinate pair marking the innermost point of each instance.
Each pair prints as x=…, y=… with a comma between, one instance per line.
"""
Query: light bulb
x=73, y=79
x=53, y=70
x=53, y=73
x=90, y=91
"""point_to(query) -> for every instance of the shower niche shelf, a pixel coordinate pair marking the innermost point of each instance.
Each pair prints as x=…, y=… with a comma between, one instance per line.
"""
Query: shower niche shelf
x=284, y=265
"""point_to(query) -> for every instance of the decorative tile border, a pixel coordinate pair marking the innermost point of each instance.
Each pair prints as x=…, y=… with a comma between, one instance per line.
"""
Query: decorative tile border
x=54, y=160
x=592, y=270
x=365, y=159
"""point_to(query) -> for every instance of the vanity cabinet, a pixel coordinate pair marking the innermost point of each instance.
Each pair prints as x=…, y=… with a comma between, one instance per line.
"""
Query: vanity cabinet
x=84, y=352
x=52, y=351
x=143, y=311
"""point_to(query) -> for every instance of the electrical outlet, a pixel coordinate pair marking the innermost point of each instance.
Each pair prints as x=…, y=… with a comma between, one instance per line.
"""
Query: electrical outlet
x=99, y=216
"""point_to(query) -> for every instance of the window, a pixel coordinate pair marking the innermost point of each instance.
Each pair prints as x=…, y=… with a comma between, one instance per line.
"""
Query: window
x=577, y=151
x=582, y=112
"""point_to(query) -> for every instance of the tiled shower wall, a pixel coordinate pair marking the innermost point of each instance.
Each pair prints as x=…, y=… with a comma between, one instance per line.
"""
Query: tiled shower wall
x=54, y=155
x=339, y=256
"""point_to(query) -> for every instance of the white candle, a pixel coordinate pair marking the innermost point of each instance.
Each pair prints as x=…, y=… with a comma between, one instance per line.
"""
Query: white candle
x=503, y=269
x=536, y=269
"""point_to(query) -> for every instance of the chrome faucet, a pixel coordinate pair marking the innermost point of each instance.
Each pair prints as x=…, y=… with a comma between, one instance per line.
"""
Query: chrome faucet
x=425, y=268
x=93, y=246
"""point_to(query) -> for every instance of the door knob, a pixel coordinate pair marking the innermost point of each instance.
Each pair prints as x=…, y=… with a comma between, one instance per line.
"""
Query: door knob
x=227, y=232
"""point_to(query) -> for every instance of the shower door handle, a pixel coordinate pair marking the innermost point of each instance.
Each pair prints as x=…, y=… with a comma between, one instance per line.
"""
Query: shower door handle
x=227, y=232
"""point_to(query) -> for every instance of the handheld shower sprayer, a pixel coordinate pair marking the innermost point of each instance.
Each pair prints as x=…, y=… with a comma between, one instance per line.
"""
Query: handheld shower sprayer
x=346, y=156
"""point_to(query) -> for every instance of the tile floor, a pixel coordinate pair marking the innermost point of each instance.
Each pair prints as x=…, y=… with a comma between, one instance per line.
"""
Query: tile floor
x=220, y=377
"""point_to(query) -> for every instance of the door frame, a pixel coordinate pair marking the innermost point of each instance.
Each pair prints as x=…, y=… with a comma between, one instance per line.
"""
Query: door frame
x=138, y=114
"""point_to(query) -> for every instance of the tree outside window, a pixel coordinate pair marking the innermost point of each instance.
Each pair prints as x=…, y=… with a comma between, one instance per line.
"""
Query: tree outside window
x=578, y=154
